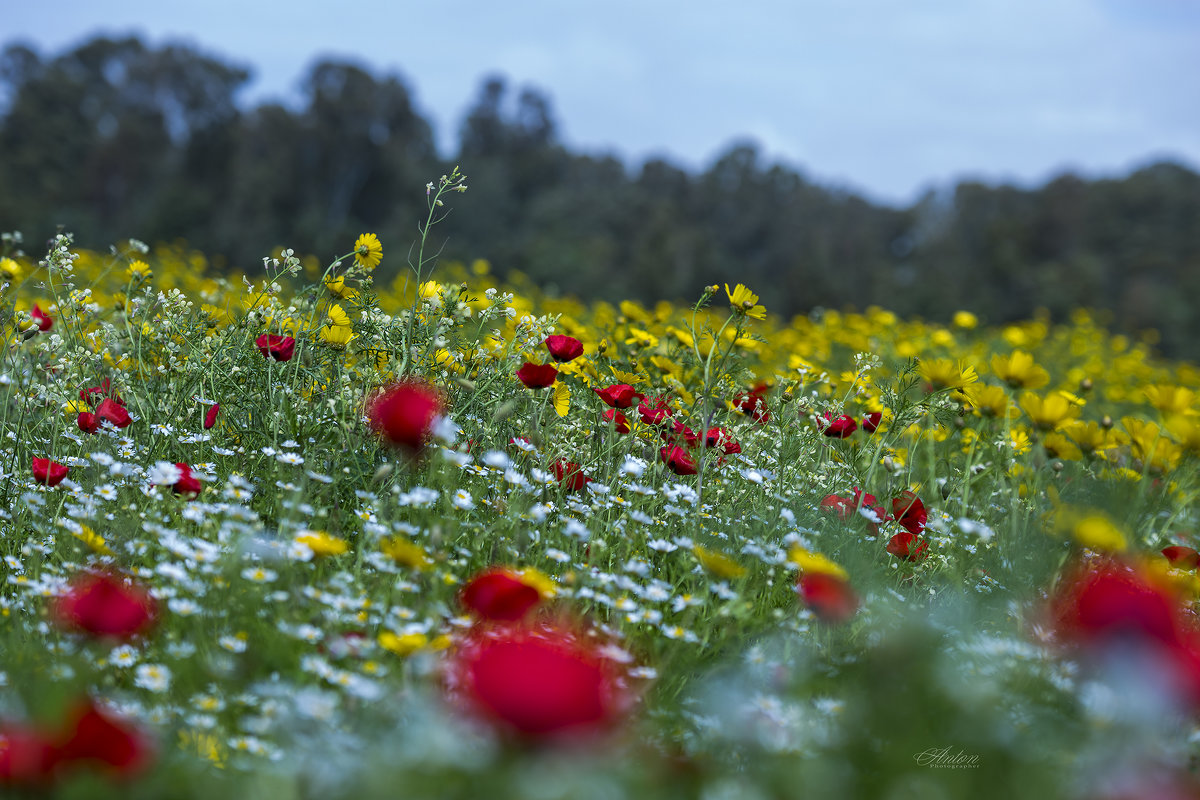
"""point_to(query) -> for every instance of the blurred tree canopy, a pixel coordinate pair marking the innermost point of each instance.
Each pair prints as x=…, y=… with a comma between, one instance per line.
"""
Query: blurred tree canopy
x=116, y=139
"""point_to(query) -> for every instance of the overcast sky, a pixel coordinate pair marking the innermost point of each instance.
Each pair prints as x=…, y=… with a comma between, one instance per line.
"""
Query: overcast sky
x=881, y=96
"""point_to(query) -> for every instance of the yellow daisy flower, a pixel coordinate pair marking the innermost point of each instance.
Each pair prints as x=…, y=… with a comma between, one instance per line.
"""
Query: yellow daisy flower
x=368, y=251
x=744, y=301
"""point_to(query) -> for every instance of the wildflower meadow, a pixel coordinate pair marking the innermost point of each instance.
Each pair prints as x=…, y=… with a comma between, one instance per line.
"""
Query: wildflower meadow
x=314, y=533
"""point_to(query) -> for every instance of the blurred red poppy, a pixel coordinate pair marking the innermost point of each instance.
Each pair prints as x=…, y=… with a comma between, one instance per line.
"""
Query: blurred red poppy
x=910, y=512
x=839, y=427
x=828, y=596
x=870, y=422
x=570, y=475
x=114, y=412
x=678, y=460
x=499, y=595
x=41, y=318
x=907, y=547
x=105, y=604
x=99, y=738
x=404, y=413
x=1182, y=557
x=210, y=417
x=541, y=683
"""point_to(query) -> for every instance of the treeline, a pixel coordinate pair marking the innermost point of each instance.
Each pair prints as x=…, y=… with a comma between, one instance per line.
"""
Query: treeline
x=116, y=139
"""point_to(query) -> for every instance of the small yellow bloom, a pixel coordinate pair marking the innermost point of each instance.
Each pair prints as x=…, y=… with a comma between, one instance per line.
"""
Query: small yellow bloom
x=1057, y=445
x=403, y=645
x=1051, y=412
x=718, y=564
x=322, y=544
x=1019, y=370
x=561, y=399
x=942, y=373
x=337, y=330
x=965, y=320
x=744, y=301
x=368, y=251
x=138, y=271
x=336, y=284
x=810, y=562
x=405, y=553
x=93, y=540
x=10, y=270
x=1097, y=532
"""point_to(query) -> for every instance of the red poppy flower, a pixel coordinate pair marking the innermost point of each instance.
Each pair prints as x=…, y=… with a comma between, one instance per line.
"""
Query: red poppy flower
x=654, y=411
x=829, y=597
x=89, y=395
x=188, y=484
x=49, y=472
x=907, y=547
x=537, y=376
x=100, y=738
x=104, y=604
x=88, y=422
x=679, y=433
x=210, y=417
x=839, y=427
x=538, y=683
x=678, y=460
x=27, y=756
x=842, y=507
x=564, y=348
x=1114, y=601
x=273, y=345
x=617, y=419
x=754, y=403
x=619, y=395
x=43, y=320
x=870, y=423
x=499, y=595
x=719, y=437
x=404, y=413
x=114, y=412
x=910, y=512
x=570, y=475
x=1182, y=557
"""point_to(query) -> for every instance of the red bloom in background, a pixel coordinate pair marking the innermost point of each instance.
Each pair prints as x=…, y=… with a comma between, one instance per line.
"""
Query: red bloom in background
x=114, y=412
x=210, y=417
x=619, y=395
x=719, y=437
x=100, y=738
x=564, y=348
x=678, y=460
x=103, y=604
x=1182, y=557
x=88, y=422
x=27, y=756
x=828, y=596
x=570, y=475
x=870, y=423
x=754, y=403
x=103, y=390
x=839, y=427
x=537, y=376
x=617, y=418
x=539, y=683
x=43, y=320
x=49, y=472
x=188, y=484
x=678, y=432
x=907, y=547
x=858, y=501
x=910, y=512
x=273, y=345
x=654, y=411
x=499, y=595
x=404, y=413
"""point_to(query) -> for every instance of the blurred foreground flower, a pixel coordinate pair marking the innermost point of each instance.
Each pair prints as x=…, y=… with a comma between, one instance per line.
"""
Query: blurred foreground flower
x=542, y=683
x=828, y=596
x=106, y=605
x=500, y=595
x=404, y=413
